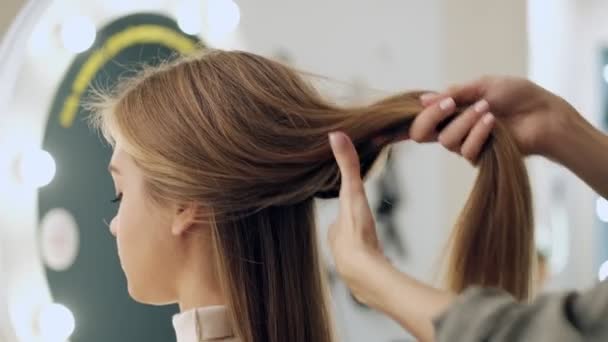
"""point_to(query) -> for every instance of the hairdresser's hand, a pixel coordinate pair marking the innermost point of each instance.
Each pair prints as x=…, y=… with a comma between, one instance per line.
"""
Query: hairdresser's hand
x=535, y=116
x=372, y=279
x=352, y=237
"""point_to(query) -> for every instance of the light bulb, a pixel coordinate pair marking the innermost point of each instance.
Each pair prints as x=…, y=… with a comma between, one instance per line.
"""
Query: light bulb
x=55, y=323
x=189, y=17
x=36, y=168
x=601, y=209
x=223, y=17
x=78, y=33
x=603, y=272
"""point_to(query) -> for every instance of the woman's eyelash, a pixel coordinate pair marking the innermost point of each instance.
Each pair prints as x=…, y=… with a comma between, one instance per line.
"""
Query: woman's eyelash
x=118, y=198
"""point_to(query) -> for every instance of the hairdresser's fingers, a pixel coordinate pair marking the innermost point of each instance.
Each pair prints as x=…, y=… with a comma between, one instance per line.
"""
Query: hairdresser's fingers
x=428, y=99
x=348, y=162
x=465, y=93
x=469, y=92
x=424, y=126
x=455, y=133
x=355, y=219
x=479, y=135
x=355, y=214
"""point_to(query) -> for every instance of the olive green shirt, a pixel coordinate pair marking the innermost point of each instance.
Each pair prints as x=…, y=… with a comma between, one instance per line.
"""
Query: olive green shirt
x=494, y=316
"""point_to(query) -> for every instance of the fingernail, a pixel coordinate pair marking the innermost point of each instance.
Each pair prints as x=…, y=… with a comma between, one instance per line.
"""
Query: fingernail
x=427, y=97
x=447, y=104
x=481, y=106
x=336, y=139
x=488, y=118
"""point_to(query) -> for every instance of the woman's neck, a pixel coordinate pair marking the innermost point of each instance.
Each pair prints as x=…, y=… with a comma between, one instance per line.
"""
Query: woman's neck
x=197, y=290
x=197, y=282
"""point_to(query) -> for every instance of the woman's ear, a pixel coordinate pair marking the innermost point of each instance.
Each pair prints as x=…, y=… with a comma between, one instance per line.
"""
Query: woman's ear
x=184, y=218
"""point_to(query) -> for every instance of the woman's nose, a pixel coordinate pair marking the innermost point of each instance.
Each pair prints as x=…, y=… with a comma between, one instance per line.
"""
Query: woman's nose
x=113, y=226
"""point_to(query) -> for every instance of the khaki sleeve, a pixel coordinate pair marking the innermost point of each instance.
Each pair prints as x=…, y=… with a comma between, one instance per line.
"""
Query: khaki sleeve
x=494, y=316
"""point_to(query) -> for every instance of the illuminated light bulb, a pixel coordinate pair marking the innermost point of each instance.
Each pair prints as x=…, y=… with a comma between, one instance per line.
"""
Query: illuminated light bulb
x=602, y=274
x=189, y=17
x=78, y=33
x=56, y=323
x=601, y=209
x=223, y=17
x=36, y=168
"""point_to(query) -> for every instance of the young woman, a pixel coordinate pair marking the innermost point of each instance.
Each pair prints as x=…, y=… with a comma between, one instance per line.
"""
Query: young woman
x=217, y=159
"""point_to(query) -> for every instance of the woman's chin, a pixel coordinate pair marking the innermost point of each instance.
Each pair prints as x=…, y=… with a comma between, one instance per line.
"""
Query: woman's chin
x=149, y=298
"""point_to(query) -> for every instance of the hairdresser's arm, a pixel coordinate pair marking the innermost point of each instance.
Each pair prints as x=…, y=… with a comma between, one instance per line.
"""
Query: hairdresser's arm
x=493, y=316
x=361, y=264
x=584, y=150
x=476, y=315
x=541, y=122
x=412, y=304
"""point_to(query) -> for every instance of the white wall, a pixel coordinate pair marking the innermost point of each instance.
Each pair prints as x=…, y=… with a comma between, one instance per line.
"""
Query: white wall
x=391, y=46
x=396, y=46
x=566, y=36
x=591, y=36
x=481, y=37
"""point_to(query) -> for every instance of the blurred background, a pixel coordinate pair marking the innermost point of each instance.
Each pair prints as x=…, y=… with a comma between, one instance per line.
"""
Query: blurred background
x=59, y=274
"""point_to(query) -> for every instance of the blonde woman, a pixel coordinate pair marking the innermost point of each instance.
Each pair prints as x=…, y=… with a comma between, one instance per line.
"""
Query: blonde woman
x=217, y=159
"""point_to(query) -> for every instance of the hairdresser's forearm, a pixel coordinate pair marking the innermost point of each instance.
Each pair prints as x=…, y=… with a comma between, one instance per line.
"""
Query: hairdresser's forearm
x=584, y=150
x=409, y=302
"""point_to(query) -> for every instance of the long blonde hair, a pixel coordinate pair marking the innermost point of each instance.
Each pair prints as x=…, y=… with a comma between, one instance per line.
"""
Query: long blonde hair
x=246, y=137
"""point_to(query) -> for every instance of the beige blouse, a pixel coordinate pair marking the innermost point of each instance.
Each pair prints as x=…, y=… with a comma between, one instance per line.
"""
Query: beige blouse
x=494, y=316
x=204, y=324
